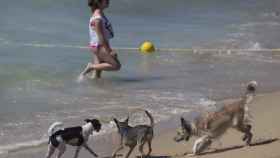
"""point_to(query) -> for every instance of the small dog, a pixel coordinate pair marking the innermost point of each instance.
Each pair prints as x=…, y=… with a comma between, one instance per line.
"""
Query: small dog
x=234, y=114
x=75, y=136
x=131, y=136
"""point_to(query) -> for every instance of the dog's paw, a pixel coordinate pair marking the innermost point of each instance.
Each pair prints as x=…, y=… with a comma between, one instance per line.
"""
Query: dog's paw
x=191, y=155
x=246, y=147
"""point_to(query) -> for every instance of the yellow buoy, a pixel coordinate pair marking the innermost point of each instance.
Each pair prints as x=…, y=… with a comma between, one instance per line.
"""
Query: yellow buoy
x=147, y=47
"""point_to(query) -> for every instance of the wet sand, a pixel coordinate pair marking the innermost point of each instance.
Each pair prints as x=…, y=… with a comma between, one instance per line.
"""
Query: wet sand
x=266, y=114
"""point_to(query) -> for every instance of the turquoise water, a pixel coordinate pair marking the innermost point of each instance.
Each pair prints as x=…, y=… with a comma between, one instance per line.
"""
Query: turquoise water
x=38, y=84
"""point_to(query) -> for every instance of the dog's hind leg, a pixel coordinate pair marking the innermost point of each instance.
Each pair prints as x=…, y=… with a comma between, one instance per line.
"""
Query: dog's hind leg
x=130, y=150
x=141, y=149
x=77, y=151
x=201, y=144
x=150, y=147
x=141, y=143
x=117, y=150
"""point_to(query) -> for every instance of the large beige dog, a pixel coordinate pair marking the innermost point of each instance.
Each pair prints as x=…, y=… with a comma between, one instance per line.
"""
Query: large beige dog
x=233, y=114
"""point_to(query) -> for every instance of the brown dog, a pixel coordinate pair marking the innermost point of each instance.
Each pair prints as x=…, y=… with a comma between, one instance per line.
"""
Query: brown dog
x=214, y=124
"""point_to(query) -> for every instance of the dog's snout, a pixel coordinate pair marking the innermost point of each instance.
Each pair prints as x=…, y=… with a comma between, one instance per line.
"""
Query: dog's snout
x=180, y=136
x=178, y=139
x=252, y=86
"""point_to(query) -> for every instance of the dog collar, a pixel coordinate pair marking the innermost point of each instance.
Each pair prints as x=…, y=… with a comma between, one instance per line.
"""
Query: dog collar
x=124, y=131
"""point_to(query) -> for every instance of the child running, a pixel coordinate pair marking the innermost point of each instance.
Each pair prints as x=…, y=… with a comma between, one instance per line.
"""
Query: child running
x=100, y=31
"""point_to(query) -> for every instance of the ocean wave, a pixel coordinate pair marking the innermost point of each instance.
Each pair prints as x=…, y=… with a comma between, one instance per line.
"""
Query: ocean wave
x=137, y=116
x=258, y=24
x=6, y=149
x=22, y=146
x=274, y=14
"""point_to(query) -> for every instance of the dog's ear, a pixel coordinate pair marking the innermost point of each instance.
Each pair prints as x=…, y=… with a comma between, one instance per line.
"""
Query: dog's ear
x=87, y=120
x=126, y=120
x=96, y=124
x=117, y=123
x=183, y=121
x=186, y=125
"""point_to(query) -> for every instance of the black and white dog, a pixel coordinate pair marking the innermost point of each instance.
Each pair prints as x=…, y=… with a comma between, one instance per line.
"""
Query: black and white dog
x=75, y=136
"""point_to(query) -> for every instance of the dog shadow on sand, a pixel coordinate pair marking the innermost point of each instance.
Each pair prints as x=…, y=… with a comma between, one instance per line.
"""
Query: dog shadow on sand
x=120, y=155
x=212, y=151
x=155, y=156
x=235, y=147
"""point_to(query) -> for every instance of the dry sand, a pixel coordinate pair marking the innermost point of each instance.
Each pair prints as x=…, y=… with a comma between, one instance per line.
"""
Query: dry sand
x=266, y=113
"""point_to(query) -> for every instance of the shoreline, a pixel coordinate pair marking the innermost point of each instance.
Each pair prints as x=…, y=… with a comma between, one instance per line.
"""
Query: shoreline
x=265, y=111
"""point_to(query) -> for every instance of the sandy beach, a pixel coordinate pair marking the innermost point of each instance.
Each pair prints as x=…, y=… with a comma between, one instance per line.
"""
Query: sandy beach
x=205, y=52
x=265, y=110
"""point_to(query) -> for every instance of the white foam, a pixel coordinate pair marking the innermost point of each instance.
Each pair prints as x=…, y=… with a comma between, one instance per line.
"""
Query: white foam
x=206, y=102
x=22, y=146
x=255, y=46
x=274, y=14
x=178, y=110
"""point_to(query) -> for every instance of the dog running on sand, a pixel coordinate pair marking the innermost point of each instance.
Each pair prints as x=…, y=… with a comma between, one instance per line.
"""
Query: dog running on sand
x=213, y=125
x=131, y=136
x=75, y=136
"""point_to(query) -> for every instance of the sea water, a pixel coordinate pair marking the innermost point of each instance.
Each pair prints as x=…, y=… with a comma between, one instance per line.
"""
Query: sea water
x=42, y=51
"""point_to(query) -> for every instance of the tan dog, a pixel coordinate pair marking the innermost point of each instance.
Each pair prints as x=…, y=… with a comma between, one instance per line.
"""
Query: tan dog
x=131, y=136
x=214, y=124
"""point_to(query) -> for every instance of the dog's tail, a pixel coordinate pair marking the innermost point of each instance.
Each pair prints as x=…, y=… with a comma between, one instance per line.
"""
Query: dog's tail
x=55, y=127
x=150, y=117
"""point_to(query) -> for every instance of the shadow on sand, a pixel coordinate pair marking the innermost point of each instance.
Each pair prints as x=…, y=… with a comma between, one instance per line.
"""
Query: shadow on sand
x=120, y=155
x=213, y=151
x=235, y=147
x=156, y=156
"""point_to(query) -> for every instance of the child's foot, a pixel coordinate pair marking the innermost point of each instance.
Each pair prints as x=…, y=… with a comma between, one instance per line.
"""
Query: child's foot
x=80, y=78
x=84, y=72
x=87, y=69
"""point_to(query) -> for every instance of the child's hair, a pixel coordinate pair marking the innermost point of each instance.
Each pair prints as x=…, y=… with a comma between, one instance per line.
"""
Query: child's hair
x=94, y=3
